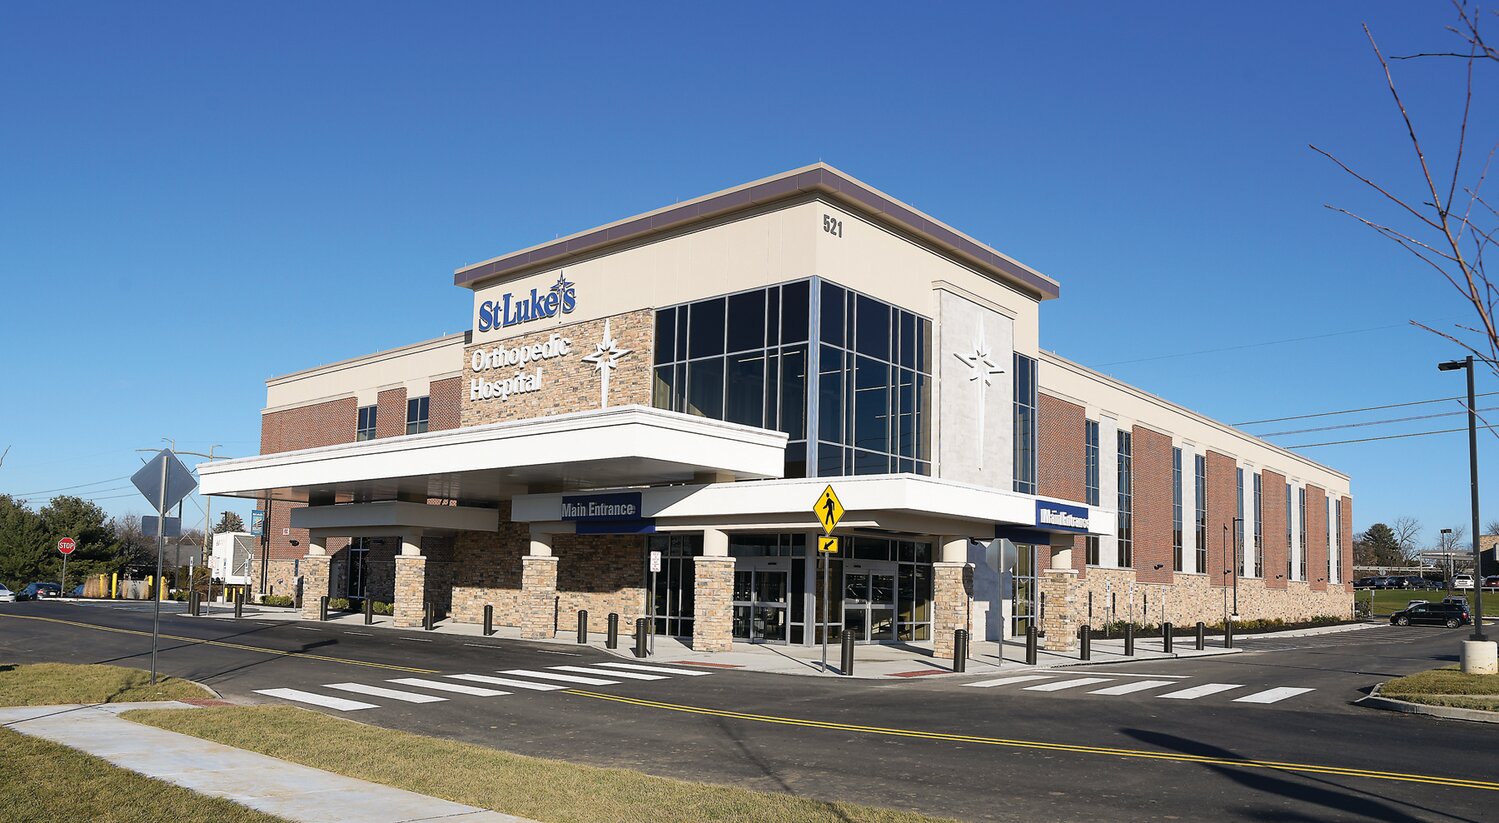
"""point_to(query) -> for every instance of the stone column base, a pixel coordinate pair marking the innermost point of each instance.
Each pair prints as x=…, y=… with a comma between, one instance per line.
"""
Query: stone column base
x=713, y=604
x=411, y=591
x=1060, y=622
x=315, y=574
x=952, y=597
x=538, y=597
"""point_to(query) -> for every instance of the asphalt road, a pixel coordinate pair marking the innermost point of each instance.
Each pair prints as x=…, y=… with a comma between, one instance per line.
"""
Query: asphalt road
x=1048, y=748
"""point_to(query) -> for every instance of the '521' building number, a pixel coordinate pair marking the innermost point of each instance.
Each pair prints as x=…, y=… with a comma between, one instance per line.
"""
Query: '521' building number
x=832, y=225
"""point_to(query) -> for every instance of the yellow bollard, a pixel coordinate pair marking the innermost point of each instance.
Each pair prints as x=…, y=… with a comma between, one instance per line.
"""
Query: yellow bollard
x=114, y=586
x=150, y=586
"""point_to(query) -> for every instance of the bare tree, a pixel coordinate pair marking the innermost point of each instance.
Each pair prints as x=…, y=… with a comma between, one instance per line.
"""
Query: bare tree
x=1448, y=224
x=1492, y=527
x=1407, y=536
x=1455, y=540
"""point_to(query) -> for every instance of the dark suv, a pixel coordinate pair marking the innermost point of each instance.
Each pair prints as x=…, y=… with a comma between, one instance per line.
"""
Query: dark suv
x=36, y=591
x=1450, y=615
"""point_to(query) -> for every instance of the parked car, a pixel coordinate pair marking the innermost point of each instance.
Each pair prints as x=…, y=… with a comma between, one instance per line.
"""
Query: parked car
x=37, y=591
x=1462, y=581
x=1446, y=614
x=6, y=595
x=1457, y=599
x=76, y=591
x=1364, y=583
x=1491, y=582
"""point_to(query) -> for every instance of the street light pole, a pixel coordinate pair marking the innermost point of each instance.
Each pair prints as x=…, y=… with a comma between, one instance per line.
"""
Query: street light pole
x=1452, y=365
x=1447, y=550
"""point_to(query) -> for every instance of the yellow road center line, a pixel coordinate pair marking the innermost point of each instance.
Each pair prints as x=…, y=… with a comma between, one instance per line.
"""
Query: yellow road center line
x=224, y=644
x=1109, y=751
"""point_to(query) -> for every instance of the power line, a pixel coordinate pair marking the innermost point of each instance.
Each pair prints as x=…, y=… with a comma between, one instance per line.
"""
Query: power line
x=69, y=488
x=1373, y=423
x=1364, y=409
x=1386, y=437
x=1254, y=345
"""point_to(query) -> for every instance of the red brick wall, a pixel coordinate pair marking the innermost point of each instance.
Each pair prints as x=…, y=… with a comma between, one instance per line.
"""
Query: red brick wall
x=1222, y=508
x=1151, y=484
x=445, y=408
x=1345, y=573
x=1060, y=447
x=1316, y=537
x=304, y=427
x=390, y=413
x=1277, y=550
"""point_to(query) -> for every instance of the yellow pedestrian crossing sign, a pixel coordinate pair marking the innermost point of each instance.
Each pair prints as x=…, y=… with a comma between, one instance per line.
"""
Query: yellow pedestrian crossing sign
x=828, y=509
x=827, y=544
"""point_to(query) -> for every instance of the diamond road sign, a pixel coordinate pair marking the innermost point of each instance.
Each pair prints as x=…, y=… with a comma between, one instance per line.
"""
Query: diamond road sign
x=180, y=482
x=828, y=509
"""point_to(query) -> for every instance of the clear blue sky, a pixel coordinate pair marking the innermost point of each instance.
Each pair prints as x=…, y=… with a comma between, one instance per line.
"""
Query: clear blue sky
x=195, y=197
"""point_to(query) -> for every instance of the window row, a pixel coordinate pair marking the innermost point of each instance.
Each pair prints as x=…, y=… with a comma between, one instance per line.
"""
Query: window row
x=418, y=411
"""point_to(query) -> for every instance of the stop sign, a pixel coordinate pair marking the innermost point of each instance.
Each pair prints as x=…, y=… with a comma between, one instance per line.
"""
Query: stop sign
x=66, y=545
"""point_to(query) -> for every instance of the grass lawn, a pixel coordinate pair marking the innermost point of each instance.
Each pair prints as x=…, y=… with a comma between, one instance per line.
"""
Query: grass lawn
x=45, y=684
x=549, y=790
x=1447, y=687
x=1386, y=602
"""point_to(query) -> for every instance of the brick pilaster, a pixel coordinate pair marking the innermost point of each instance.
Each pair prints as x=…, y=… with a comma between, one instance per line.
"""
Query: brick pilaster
x=952, y=592
x=713, y=606
x=411, y=590
x=1277, y=549
x=315, y=573
x=1316, y=537
x=538, y=597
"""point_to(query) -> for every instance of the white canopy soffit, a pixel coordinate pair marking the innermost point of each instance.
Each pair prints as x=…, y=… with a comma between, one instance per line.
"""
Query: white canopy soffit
x=482, y=465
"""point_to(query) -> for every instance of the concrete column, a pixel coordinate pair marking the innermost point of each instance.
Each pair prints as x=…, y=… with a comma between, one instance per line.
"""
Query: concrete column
x=410, y=604
x=1061, y=550
x=1062, y=618
x=316, y=574
x=952, y=594
x=715, y=543
x=538, y=589
x=713, y=607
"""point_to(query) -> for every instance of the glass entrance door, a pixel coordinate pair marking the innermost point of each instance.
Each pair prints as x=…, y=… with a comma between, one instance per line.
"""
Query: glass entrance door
x=1027, y=590
x=869, y=600
x=761, y=598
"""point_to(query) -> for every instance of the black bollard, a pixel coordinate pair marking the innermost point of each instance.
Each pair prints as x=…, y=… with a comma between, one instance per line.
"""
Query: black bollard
x=297, y=600
x=322, y=607
x=1202, y=635
x=846, y=665
x=1085, y=643
x=582, y=626
x=369, y=610
x=427, y=616
x=1166, y=638
x=1228, y=635
x=611, y=641
x=239, y=604
x=640, y=637
x=1030, y=644
x=488, y=620
x=192, y=604
x=1129, y=640
x=959, y=651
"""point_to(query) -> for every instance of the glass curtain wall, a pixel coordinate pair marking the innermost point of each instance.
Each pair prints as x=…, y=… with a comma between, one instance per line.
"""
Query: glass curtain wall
x=1025, y=424
x=675, y=583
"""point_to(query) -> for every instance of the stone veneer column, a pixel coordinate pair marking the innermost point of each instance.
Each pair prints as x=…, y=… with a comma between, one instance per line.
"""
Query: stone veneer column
x=316, y=571
x=538, y=590
x=952, y=594
x=411, y=590
x=713, y=587
x=1060, y=623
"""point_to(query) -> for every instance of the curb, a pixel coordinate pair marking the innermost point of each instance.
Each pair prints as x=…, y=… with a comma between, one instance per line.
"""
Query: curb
x=1374, y=700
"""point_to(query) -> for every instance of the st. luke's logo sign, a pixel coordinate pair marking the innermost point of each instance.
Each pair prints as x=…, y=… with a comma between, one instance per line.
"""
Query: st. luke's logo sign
x=514, y=309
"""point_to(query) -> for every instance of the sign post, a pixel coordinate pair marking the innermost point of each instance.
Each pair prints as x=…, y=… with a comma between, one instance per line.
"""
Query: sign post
x=655, y=567
x=163, y=481
x=66, y=546
x=829, y=511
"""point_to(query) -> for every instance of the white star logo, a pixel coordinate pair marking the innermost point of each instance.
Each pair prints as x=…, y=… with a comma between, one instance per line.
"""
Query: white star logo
x=605, y=359
x=982, y=366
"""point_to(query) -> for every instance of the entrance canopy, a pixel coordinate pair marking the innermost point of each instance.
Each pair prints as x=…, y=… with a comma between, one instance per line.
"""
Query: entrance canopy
x=483, y=465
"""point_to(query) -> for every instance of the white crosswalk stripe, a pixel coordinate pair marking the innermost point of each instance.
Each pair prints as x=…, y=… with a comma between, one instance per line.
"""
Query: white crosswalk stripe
x=1201, y=691
x=1130, y=688
x=381, y=691
x=1272, y=695
x=608, y=672
x=317, y=699
x=565, y=678
x=655, y=669
x=1067, y=684
x=505, y=681
x=1005, y=681
x=438, y=685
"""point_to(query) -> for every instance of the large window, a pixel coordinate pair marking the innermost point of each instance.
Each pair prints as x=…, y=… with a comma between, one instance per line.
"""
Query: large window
x=1025, y=424
x=747, y=358
x=1200, y=486
x=1239, y=523
x=1090, y=461
x=1259, y=521
x=417, y=410
x=1290, y=550
x=1334, y=539
x=365, y=430
x=1126, y=543
x=1301, y=530
x=1176, y=509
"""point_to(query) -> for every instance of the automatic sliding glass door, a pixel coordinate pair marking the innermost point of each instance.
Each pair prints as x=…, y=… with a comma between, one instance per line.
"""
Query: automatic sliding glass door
x=869, y=600
x=761, y=599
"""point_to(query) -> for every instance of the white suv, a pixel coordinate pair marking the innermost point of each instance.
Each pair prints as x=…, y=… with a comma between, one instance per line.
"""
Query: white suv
x=1462, y=581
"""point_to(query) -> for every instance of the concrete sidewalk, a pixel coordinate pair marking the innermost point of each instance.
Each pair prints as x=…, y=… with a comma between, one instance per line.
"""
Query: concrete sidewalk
x=263, y=783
